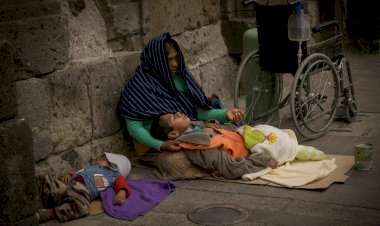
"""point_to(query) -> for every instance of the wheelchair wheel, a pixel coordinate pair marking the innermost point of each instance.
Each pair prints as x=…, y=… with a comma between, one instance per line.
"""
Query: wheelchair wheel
x=351, y=111
x=256, y=91
x=314, y=96
x=347, y=85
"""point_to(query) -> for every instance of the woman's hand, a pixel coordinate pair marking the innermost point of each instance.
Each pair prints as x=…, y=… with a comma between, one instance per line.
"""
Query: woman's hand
x=235, y=115
x=170, y=145
x=120, y=197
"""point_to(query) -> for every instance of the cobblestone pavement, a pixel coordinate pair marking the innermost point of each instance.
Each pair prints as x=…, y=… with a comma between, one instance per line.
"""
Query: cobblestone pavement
x=355, y=202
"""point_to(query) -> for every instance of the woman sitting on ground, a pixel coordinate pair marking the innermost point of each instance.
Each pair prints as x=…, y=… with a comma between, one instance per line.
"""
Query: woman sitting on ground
x=162, y=83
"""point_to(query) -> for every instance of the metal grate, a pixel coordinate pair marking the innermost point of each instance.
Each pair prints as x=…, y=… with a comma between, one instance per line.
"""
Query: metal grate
x=218, y=214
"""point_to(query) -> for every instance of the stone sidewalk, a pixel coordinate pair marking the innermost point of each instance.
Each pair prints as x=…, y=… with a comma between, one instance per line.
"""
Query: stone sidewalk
x=355, y=202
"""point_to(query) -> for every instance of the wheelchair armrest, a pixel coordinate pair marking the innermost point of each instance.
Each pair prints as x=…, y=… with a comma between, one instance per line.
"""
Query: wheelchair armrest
x=326, y=25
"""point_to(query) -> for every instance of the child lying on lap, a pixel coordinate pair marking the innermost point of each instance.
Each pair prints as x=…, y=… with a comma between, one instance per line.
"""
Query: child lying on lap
x=246, y=152
x=212, y=148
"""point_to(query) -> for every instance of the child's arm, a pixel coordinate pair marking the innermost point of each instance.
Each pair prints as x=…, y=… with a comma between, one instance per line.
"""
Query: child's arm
x=122, y=190
x=67, y=177
x=214, y=124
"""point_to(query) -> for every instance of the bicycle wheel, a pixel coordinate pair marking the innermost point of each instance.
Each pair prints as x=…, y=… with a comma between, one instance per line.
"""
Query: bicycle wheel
x=257, y=92
x=314, y=96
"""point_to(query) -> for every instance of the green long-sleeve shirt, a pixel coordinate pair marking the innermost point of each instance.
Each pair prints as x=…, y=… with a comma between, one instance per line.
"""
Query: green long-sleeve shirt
x=139, y=130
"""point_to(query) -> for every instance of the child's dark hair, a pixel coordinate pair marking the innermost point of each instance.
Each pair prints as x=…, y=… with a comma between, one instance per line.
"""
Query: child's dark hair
x=160, y=128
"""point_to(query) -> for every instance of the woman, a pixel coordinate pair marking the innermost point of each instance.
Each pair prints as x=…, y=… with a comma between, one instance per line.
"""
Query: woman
x=163, y=84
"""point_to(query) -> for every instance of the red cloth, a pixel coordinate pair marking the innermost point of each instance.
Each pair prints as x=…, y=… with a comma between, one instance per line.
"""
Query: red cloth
x=121, y=183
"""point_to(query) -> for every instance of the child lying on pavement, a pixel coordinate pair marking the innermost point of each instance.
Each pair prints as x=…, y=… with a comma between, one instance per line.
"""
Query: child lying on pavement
x=214, y=149
x=69, y=198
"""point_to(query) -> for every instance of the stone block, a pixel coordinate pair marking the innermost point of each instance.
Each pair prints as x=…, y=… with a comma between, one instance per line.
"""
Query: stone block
x=8, y=98
x=202, y=45
x=127, y=63
x=132, y=43
x=119, y=2
x=123, y=27
x=18, y=190
x=227, y=6
x=82, y=156
x=71, y=160
x=33, y=105
x=123, y=23
x=126, y=19
x=70, y=108
x=196, y=72
x=41, y=44
x=233, y=31
x=88, y=34
x=104, y=91
x=114, y=143
x=218, y=77
x=273, y=2
x=211, y=11
x=178, y=18
x=246, y=14
x=79, y=157
x=76, y=6
x=24, y=9
x=248, y=10
x=235, y=9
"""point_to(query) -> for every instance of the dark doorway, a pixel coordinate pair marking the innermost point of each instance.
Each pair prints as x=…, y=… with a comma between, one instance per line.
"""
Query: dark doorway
x=363, y=23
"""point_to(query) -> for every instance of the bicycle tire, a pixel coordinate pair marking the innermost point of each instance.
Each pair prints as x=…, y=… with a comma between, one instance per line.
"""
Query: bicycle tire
x=314, y=96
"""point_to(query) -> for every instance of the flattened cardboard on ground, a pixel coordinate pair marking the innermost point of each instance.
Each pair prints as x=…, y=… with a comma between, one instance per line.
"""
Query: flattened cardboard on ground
x=96, y=207
x=344, y=164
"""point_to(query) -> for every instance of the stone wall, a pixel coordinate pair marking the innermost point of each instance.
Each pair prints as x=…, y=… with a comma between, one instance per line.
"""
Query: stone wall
x=17, y=184
x=73, y=57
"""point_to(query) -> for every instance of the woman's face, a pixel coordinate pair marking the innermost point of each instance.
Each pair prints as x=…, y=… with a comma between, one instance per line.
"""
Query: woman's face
x=173, y=60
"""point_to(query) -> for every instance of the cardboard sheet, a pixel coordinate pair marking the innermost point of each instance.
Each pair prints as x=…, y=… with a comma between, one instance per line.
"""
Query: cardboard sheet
x=96, y=207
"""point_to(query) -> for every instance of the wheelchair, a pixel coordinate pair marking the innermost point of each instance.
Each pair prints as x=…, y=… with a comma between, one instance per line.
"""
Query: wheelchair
x=321, y=88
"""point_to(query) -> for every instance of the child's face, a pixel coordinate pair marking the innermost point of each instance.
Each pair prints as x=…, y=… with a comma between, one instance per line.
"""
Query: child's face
x=178, y=121
x=103, y=161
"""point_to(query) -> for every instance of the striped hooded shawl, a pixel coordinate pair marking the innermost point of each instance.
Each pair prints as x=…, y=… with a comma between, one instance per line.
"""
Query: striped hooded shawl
x=151, y=92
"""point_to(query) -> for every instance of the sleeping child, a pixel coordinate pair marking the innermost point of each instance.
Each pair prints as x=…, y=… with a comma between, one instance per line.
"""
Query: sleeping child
x=210, y=147
x=249, y=151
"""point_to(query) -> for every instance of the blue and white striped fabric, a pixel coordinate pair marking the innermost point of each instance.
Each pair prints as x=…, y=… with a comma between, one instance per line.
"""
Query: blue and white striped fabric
x=152, y=92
